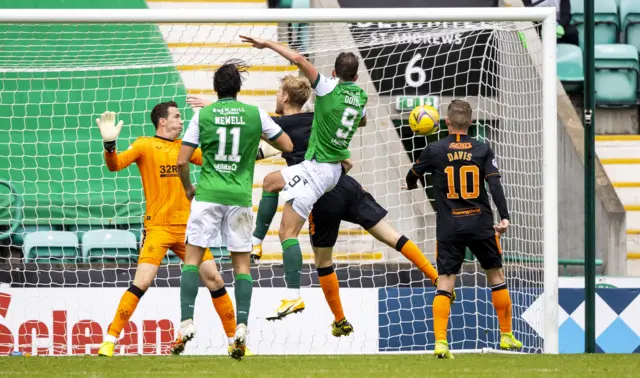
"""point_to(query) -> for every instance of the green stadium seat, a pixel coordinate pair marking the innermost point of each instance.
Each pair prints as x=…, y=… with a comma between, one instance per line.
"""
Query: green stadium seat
x=607, y=22
x=616, y=75
x=17, y=238
x=570, y=67
x=135, y=228
x=81, y=229
x=109, y=246
x=51, y=247
x=630, y=20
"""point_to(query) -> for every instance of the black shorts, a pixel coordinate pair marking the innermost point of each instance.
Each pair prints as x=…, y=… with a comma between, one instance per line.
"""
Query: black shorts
x=450, y=255
x=346, y=202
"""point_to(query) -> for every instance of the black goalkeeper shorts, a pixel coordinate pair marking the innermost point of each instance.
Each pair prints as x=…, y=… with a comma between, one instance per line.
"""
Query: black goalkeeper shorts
x=450, y=255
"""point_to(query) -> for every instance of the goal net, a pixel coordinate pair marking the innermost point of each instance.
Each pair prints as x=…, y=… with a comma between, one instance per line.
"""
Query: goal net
x=71, y=229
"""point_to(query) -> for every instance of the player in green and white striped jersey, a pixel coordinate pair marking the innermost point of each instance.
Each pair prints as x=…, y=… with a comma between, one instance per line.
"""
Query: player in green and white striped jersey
x=339, y=111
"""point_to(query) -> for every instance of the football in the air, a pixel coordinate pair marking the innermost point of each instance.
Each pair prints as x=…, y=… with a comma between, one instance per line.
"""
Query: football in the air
x=424, y=120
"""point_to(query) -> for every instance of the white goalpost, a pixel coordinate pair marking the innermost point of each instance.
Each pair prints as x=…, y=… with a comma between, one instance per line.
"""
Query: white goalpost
x=66, y=220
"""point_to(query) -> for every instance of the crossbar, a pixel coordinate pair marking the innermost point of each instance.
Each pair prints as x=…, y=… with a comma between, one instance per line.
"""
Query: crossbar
x=272, y=15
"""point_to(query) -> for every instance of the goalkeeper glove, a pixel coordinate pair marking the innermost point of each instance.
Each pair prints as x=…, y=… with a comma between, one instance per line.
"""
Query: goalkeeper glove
x=109, y=130
x=265, y=150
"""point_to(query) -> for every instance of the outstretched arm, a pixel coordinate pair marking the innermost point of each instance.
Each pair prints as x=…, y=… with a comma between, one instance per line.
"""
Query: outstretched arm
x=110, y=131
x=291, y=55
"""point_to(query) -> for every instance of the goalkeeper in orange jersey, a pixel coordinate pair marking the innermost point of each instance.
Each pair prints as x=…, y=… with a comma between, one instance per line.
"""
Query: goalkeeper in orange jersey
x=166, y=215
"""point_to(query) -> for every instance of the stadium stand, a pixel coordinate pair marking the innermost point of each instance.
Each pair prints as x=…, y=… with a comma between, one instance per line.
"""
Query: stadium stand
x=570, y=67
x=109, y=246
x=630, y=20
x=616, y=75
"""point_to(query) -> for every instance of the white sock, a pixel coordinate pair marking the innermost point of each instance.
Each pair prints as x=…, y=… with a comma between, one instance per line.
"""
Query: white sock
x=230, y=340
x=256, y=241
x=293, y=294
x=111, y=338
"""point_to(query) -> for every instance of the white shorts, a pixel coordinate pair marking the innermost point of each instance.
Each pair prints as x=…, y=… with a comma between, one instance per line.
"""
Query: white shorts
x=307, y=182
x=208, y=222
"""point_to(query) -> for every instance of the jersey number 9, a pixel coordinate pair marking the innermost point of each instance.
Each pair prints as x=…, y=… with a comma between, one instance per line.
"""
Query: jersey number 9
x=348, y=120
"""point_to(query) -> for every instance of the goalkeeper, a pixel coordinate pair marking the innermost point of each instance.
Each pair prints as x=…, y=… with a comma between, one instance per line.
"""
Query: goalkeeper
x=165, y=217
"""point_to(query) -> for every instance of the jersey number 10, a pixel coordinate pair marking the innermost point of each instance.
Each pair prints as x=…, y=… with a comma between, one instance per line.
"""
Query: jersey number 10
x=222, y=145
x=464, y=172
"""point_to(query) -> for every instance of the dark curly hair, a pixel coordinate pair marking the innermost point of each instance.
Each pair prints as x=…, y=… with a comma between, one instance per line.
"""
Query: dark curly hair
x=227, y=79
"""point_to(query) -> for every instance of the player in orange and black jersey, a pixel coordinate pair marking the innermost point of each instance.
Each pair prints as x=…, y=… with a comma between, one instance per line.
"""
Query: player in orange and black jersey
x=167, y=211
x=461, y=165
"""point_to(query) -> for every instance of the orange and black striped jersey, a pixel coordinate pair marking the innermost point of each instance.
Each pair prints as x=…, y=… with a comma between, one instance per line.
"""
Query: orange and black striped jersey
x=157, y=159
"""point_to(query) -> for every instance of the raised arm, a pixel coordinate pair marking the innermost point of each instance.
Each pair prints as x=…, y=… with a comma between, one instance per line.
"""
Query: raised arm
x=190, y=143
x=291, y=55
x=110, y=131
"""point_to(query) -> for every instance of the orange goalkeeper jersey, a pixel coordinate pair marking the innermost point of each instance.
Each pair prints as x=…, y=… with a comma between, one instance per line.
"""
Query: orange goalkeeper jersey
x=157, y=159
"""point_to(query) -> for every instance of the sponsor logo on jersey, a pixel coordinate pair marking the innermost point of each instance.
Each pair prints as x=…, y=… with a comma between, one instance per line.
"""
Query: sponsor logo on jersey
x=465, y=212
x=339, y=142
x=225, y=168
x=460, y=145
x=494, y=162
x=168, y=170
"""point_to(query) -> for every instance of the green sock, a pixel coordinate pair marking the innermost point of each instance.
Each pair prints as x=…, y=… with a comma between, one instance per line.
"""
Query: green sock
x=243, y=290
x=292, y=260
x=266, y=211
x=188, y=290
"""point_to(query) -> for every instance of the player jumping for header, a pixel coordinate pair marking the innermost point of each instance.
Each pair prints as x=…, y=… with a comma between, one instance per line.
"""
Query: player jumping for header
x=165, y=216
x=229, y=132
x=339, y=111
x=347, y=201
x=460, y=165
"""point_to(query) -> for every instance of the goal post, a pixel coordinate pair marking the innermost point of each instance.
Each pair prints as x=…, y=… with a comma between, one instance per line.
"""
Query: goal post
x=515, y=110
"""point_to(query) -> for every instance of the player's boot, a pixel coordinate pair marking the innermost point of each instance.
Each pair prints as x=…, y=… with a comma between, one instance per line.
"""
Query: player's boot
x=256, y=253
x=247, y=351
x=287, y=307
x=185, y=334
x=508, y=342
x=239, y=347
x=106, y=349
x=442, y=350
x=341, y=328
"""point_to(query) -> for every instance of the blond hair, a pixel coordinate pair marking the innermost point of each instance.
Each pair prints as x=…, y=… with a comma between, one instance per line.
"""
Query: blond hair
x=298, y=90
x=459, y=114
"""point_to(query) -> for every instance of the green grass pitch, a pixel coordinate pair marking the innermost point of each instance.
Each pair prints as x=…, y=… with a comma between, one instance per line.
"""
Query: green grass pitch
x=476, y=366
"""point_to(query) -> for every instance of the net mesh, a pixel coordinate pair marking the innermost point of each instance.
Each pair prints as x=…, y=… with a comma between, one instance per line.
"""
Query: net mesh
x=57, y=78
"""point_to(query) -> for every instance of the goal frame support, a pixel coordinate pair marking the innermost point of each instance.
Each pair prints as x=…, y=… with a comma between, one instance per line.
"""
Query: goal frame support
x=545, y=15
